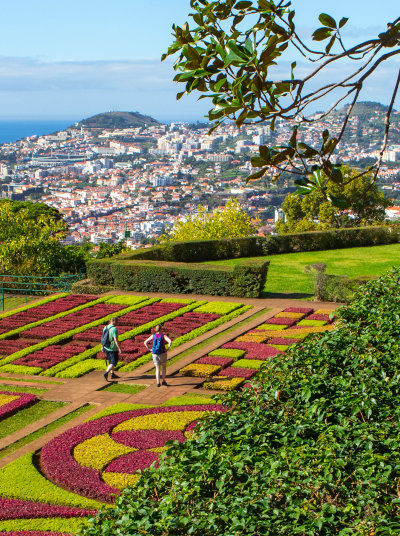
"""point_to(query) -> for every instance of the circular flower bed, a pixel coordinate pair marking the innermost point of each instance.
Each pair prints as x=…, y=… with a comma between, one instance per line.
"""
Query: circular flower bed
x=99, y=458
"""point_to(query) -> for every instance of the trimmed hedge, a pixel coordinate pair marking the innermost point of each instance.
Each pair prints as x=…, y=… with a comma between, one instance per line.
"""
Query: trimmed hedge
x=245, y=279
x=86, y=286
x=209, y=250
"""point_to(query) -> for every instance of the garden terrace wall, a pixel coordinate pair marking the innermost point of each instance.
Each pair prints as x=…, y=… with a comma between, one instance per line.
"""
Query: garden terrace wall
x=246, y=279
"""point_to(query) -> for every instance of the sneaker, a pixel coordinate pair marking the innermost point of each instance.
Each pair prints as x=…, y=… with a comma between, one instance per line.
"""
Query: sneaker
x=115, y=377
x=105, y=375
x=165, y=383
x=158, y=384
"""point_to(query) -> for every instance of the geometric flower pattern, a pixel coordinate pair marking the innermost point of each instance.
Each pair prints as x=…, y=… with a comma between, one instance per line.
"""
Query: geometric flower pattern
x=100, y=457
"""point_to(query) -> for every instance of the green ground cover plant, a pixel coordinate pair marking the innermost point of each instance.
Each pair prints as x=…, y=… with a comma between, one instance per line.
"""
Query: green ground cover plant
x=124, y=388
x=310, y=449
x=21, y=389
x=286, y=271
x=28, y=416
x=42, y=431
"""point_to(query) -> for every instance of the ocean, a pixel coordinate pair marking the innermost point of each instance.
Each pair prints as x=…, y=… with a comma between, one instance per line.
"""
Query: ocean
x=15, y=130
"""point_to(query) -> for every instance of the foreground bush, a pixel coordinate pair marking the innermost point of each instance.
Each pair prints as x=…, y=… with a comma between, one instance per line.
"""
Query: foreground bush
x=313, y=450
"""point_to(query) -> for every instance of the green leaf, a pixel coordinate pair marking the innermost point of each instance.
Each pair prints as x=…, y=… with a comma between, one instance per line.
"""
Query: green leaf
x=321, y=34
x=336, y=175
x=343, y=22
x=256, y=175
x=243, y=4
x=339, y=202
x=327, y=20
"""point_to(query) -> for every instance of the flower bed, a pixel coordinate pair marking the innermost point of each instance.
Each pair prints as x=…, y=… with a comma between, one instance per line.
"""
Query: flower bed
x=73, y=461
x=224, y=384
x=237, y=372
x=215, y=360
x=19, y=509
x=43, y=311
x=286, y=328
x=10, y=403
x=200, y=370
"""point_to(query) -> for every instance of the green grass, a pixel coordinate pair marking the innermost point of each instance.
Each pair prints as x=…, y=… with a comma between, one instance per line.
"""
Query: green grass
x=286, y=271
x=124, y=388
x=39, y=433
x=21, y=389
x=14, y=302
x=178, y=357
x=27, y=416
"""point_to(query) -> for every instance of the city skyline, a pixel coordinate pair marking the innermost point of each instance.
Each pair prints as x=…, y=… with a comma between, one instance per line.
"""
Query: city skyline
x=73, y=61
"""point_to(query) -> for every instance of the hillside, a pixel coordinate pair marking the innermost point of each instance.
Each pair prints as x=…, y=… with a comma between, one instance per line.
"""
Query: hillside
x=365, y=110
x=118, y=120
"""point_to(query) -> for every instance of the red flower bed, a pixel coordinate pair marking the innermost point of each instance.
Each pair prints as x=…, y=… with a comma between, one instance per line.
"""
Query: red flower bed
x=20, y=509
x=188, y=322
x=50, y=356
x=148, y=313
x=43, y=311
x=24, y=400
x=94, y=334
x=72, y=321
x=304, y=310
x=215, y=360
x=318, y=316
x=281, y=321
x=132, y=462
x=60, y=466
x=237, y=372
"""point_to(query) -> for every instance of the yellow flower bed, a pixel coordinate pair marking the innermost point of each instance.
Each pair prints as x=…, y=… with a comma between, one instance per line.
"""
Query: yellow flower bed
x=199, y=370
x=120, y=480
x=6, y=399
x=289, y=315
x=99, y=451
x=174, y=420
x=253, y=337
x=224, y=384
x=324, y=311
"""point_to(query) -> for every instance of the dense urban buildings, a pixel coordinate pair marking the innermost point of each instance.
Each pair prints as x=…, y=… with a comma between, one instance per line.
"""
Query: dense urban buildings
x=134, y=182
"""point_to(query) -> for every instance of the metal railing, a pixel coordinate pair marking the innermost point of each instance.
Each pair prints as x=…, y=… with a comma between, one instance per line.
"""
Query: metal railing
x=27, y=285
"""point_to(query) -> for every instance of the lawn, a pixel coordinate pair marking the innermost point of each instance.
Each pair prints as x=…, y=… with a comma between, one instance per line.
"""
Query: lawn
x=286, y=271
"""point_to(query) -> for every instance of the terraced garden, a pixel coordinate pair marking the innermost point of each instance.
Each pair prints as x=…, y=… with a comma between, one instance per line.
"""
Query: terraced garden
x=70, y=442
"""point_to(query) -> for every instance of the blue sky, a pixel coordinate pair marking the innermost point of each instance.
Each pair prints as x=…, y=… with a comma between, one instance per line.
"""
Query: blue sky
x=77, y=58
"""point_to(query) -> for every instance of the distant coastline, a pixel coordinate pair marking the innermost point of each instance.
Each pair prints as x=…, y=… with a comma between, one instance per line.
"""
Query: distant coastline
x=11, y=131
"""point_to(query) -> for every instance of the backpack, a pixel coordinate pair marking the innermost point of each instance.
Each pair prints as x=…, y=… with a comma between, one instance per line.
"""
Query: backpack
x=158, y=344
x=105, y=339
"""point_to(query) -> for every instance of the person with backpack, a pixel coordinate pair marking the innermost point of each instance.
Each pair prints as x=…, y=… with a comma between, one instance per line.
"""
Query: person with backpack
x=159, y=352
x=110, y=346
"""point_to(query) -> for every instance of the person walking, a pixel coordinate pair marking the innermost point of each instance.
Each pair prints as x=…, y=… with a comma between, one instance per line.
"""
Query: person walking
x=159, y=352
x=111, y=348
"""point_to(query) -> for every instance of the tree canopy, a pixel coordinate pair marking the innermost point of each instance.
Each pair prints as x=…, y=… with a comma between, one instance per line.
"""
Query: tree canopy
x=365, y=205
x=231, y=222
x=228, y=52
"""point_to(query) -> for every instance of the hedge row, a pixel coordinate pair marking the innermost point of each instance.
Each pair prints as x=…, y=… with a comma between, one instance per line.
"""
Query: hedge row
x=208, y=250
x=246, y=279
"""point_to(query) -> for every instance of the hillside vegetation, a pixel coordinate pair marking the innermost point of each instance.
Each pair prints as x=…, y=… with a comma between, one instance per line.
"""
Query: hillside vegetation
x=312, y=450
x=118, y=120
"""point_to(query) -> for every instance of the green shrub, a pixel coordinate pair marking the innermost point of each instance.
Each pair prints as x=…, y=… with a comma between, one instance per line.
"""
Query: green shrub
x=311, y=449
x=87, y=286
x=244, y=279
